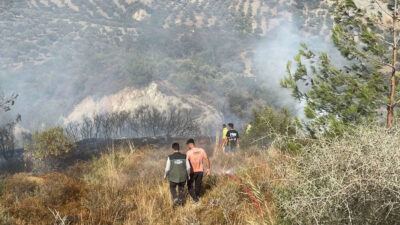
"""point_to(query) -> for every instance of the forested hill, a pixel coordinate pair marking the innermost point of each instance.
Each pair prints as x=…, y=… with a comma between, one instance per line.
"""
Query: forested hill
x=56, y=53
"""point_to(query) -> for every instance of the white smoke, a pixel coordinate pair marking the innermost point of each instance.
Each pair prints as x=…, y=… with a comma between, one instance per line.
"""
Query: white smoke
x=127, y=99
x=130, y=99
x=273, y=53
x=19, y=132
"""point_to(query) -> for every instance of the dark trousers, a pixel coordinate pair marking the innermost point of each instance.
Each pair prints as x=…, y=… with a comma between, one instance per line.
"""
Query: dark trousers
x=230, y=147
x=195, y=178
x=181, y=191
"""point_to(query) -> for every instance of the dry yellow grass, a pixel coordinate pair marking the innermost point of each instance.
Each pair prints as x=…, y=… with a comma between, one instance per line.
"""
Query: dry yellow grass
x=352, y=179
x=127, y=188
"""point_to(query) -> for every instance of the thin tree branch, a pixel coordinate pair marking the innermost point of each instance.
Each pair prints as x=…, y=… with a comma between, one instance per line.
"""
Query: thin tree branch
x=385, y=41
x=383, y=10
x=371, y=57
x=396, y=103
x=384, y=25
x=379, y=62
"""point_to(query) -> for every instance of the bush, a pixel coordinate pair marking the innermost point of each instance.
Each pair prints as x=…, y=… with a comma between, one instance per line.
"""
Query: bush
x=29, y=199
x=30, y=210
x=348, y=180
x=21, y=185
x=48, y=149
x=52, y=142
x=269, y=126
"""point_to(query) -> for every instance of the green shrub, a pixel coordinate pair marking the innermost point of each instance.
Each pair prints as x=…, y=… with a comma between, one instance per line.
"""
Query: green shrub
x=270, y=126
x=50, y=143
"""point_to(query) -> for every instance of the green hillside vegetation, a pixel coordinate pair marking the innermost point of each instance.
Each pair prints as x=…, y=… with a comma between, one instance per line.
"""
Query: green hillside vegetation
x=194, y=46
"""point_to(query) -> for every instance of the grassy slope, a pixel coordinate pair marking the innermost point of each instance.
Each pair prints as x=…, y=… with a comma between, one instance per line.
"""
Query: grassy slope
x=127, y=188
x=352, y=179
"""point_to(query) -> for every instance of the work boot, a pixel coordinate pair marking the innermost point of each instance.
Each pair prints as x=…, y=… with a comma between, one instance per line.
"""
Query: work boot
x=181, y=202
x=176, y=202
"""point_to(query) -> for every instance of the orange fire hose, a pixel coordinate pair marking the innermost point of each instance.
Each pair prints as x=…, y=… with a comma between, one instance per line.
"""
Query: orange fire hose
x=248, y=191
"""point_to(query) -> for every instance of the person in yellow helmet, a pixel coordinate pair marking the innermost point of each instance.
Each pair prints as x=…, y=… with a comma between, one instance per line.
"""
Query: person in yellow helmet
x=248, y=128
x=224, y=132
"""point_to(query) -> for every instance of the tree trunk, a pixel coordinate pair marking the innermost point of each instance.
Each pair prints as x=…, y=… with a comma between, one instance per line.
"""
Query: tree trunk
x=393, y=78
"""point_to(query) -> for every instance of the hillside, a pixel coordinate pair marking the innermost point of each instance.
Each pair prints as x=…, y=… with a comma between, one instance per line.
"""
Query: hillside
x=60, y=52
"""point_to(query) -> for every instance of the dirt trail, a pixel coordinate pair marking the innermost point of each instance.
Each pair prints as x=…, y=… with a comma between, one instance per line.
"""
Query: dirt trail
x=248, y=64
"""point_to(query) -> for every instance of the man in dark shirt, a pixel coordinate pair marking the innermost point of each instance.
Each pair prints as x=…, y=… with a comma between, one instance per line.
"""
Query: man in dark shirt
x=232, y=139
x=177, y=171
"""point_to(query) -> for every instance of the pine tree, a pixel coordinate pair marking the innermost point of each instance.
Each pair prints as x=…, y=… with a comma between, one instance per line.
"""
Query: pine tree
x=367, y=37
